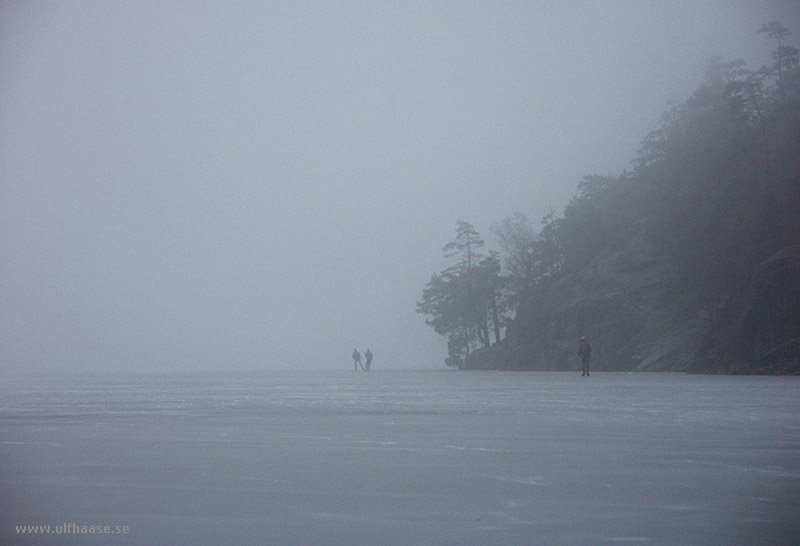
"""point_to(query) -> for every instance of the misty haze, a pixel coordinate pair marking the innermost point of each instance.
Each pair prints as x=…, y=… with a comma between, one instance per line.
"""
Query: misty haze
x=400, y=273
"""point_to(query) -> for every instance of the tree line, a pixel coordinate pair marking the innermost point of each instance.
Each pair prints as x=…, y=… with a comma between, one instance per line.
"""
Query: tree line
x=716, y=186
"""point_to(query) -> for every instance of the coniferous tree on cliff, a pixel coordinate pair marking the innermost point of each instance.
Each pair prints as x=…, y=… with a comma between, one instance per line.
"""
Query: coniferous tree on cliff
x=463, y=300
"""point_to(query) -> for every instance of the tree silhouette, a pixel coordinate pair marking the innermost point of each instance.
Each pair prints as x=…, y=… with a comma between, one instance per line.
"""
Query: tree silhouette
x=463, y=301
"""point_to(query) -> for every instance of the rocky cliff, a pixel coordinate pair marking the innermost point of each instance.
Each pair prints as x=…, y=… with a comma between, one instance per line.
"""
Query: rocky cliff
x=641, y=312
x=758, y=330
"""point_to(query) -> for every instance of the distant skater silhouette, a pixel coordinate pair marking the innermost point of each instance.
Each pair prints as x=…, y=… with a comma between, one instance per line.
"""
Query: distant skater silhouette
x=368, y=356
x=585, y=352
x=357, y=359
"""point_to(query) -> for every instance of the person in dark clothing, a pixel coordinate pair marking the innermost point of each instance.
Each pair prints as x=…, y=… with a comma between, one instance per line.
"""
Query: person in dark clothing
x=356, y=359
x=368, y=356
x=585, y=353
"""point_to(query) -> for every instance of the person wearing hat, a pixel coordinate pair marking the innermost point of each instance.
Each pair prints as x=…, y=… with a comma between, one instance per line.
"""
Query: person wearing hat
x=585, y=352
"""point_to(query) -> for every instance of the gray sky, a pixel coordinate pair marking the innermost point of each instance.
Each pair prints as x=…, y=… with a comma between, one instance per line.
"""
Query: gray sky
x=269, y=184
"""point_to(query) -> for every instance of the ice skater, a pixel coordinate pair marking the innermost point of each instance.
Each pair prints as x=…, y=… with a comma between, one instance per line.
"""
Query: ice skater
x=368, y=356
x=357, y=359
x=585, y=353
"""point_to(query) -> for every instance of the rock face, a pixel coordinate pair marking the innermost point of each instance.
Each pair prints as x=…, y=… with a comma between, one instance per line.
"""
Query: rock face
x=759, y=328
x=639, y=312
x=632, y=304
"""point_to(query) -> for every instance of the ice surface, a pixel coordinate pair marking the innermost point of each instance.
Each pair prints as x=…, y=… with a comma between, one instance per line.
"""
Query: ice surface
x=403, y=457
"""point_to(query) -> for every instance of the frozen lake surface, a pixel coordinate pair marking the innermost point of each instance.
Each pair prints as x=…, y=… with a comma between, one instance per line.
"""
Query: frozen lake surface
x=402, y=457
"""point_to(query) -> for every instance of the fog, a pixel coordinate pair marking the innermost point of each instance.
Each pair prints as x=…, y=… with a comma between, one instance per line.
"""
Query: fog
x=269, y=184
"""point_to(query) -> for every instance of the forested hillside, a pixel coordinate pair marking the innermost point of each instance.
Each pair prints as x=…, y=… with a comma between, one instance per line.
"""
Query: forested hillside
x=690, y=261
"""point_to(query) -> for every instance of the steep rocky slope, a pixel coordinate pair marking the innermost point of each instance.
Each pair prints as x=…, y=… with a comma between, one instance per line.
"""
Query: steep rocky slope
x=759, y=328
x=641, y=312
x=632, y=304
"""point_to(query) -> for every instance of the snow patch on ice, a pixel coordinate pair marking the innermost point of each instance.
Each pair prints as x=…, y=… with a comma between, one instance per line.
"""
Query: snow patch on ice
x=531, y=480
x=465, y=448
